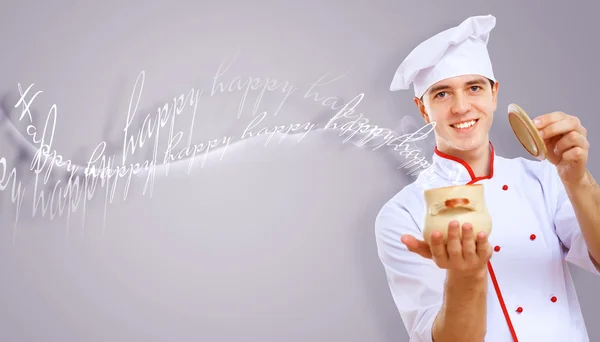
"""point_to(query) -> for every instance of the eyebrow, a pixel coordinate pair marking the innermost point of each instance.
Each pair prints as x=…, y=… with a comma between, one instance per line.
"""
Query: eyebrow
x=435, y=89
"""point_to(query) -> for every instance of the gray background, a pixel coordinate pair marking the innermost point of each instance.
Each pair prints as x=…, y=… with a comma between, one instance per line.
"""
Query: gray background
x=271, y=243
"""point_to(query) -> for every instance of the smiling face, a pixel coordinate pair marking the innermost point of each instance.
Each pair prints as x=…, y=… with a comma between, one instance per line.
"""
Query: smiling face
x=463, y=109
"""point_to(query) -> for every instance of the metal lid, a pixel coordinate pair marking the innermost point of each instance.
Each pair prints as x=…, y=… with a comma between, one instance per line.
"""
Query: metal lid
x=526, y=132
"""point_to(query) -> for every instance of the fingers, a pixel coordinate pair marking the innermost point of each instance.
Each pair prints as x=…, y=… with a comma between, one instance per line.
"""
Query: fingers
x=463, y=250
x=438, y=249
x=544, y=120
x=575, y=154
x=484, y=249
x=558, y=123
x=469, y=249
x=455, y=255
x=569, y=141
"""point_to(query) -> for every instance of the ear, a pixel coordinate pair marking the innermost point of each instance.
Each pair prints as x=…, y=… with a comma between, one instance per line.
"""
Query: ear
x=495, y=94
x=422, y=110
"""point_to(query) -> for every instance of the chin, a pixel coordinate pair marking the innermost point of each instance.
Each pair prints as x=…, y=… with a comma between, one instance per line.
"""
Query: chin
x=466, y=143
x=470, y=145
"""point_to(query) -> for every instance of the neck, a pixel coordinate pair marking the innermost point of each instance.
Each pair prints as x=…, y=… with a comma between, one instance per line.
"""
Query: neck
x=478, y=159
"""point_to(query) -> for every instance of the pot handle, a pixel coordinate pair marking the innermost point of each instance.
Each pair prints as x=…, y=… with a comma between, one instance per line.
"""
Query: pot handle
x=452, y=203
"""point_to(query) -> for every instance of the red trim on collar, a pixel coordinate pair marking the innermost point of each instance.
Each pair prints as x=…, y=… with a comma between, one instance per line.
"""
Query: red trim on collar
x=467, y=166
x=489, y=264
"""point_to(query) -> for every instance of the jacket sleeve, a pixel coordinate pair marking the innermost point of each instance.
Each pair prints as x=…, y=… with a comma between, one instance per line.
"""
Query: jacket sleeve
x=416, y=283
x=566, y=224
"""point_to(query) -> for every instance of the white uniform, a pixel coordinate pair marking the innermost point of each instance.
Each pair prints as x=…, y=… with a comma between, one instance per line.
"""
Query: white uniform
x=534, y=234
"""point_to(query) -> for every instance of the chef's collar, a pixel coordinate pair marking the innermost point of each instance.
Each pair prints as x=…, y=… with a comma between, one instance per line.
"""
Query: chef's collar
x=457, y=170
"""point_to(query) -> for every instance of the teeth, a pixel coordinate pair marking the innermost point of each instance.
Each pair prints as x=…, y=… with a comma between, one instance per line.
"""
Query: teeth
x=464, y=124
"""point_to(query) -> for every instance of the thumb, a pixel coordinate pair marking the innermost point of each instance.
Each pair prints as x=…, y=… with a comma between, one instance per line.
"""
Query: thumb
x=416, y=246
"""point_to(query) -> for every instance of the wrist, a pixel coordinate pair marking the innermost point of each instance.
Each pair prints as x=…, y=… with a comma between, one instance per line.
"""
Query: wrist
x=585, y=181
x=468, y=276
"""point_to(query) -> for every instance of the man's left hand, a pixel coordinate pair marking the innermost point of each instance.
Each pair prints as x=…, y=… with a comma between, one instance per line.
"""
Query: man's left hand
x=567, y=144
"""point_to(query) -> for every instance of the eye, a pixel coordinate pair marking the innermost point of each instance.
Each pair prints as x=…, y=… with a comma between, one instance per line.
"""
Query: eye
x=439, y=95
x=475, y=88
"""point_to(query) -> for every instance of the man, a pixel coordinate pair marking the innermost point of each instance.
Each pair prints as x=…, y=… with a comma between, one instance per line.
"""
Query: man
x=513, y=285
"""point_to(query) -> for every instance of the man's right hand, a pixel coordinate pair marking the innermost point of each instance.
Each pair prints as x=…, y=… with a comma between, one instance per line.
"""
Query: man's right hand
x=464, y=255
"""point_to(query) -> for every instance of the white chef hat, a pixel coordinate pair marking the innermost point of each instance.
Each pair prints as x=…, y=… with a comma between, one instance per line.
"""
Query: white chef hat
x=461, y=50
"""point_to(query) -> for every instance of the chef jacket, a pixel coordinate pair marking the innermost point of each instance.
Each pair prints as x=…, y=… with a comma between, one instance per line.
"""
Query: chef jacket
x=531, y=296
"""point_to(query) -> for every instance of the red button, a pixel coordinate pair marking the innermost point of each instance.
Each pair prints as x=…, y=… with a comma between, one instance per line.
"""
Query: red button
x=553, y=299
x=497, y=248
x=505, y=187
x=532, y=237
x=519, y=309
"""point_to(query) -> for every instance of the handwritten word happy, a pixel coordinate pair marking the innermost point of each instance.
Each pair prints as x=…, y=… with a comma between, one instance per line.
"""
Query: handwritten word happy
x=360, y=125
x=103, y=168
x=66, y=195
x=250, y=83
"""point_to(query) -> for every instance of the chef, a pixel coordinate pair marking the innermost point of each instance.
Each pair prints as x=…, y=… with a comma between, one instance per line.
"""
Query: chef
x=513, y=285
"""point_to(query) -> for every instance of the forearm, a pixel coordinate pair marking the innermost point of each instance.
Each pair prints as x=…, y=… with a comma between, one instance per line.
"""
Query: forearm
x=585, y=198
x=463, y=314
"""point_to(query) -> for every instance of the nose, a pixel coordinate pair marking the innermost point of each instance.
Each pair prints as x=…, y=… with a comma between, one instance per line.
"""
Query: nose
x=461, y=104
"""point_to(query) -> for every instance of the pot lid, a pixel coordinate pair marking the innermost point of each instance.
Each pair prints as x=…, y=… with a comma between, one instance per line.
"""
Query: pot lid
x=526, y=132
